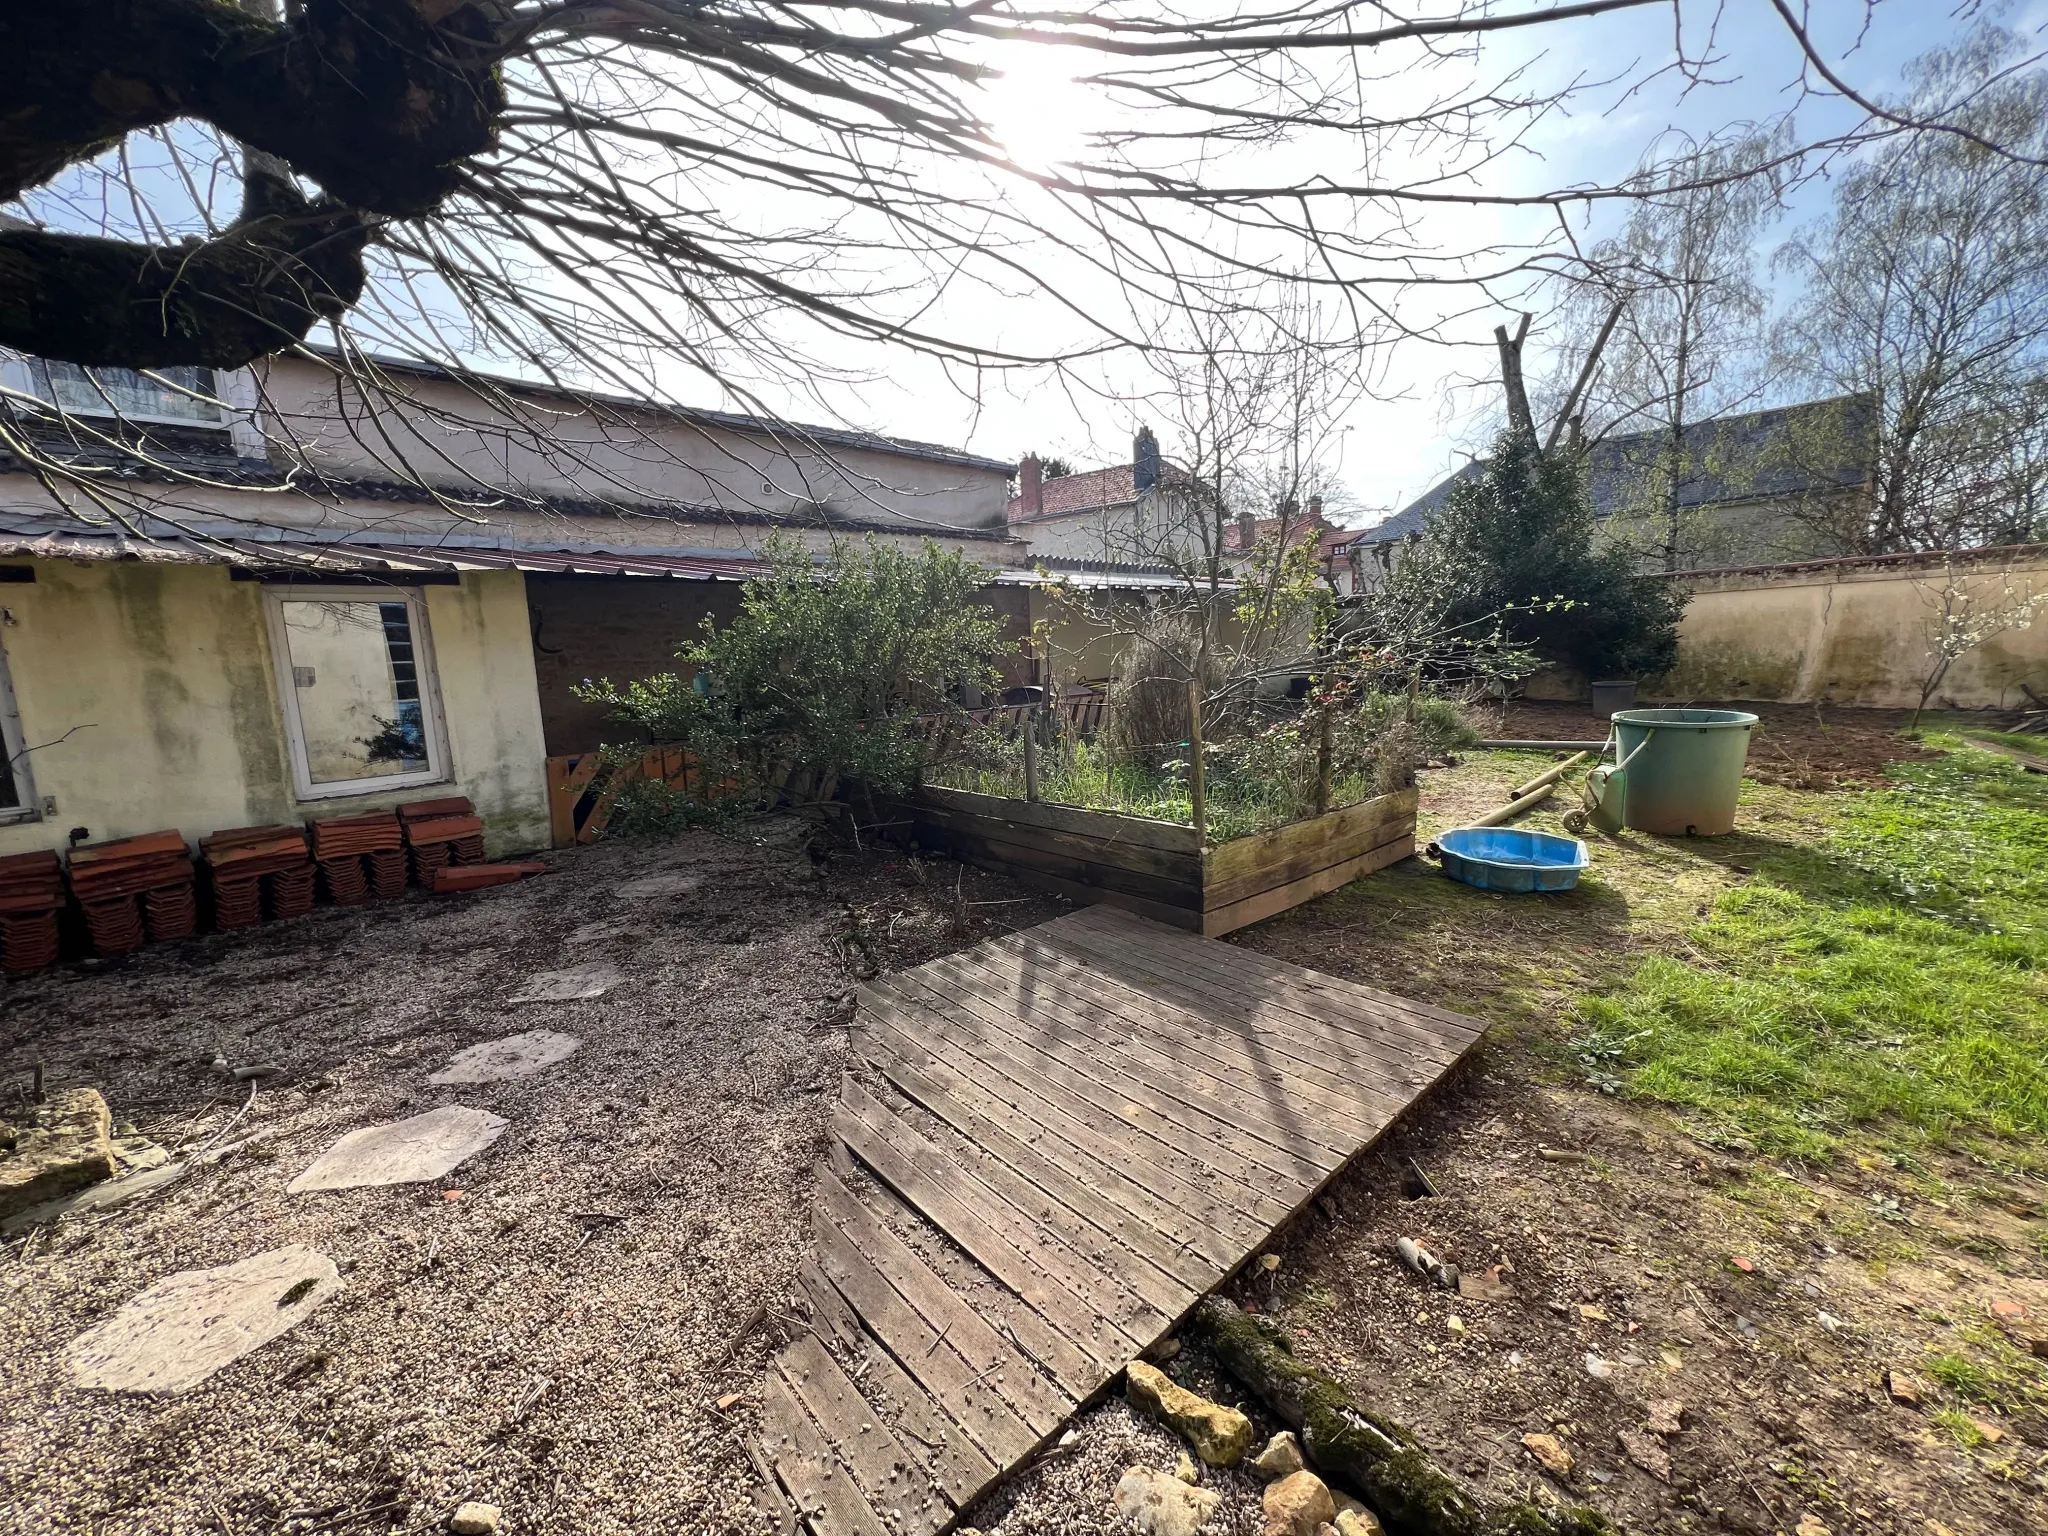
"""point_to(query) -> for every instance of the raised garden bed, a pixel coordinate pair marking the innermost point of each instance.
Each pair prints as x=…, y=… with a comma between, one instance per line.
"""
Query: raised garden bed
x=1159, y=869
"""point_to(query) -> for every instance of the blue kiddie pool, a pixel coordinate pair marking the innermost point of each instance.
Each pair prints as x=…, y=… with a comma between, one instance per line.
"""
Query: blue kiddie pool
x=1507, y=859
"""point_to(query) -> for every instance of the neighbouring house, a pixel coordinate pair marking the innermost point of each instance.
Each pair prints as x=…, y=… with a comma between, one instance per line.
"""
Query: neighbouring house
x=1123, y=517
x=1756, y=488
x=1149, y=515
x=236, y=645
x=1332, y=544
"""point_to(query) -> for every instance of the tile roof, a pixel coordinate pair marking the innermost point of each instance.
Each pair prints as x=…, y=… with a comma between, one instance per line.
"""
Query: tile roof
x=1091, y=490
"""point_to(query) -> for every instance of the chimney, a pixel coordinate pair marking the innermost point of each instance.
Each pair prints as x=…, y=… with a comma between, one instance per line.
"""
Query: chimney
x=1247, y=531
x=1144, y=461
x=1030, y=486
x=1315, y=510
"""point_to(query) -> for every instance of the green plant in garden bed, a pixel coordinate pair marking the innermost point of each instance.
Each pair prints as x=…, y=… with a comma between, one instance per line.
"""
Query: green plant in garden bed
x=1894, y=977
x=1253, y=782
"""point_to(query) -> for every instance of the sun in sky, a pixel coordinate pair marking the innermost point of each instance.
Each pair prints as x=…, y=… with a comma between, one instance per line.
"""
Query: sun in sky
x=1040, y=113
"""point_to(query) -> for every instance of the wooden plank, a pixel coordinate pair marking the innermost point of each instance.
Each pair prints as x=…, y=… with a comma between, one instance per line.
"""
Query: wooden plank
x=1356, y=1045
x=1202, y=1146
x=1285, y=869
x=955, y=1463
x=1199, y=1220
x=567, y=777
x=1076, y=1359
x=1174, y=1089
x=1317, y=994
x=1101, y=826
x=1148, y=958
x=1168, y=1268
x=988, y=1364
x=807, y=1466
x=993, y=851
x=1122, y=1322
x=1342, y=1104
x=1188, y=918
x=1219, y=920
x=1182, y=868
x=894, y=1483
x=1354, y=824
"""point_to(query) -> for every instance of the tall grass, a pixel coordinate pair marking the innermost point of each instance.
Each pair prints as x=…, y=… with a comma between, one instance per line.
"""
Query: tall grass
x=1892, y=979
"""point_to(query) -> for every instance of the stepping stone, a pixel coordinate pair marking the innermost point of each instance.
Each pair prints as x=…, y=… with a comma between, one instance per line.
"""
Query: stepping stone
x=404, y=1152
x=570, y=986
x=187, y=1326
x=497, y=1061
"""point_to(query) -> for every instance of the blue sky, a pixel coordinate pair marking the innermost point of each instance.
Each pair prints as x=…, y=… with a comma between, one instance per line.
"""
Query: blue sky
x=1423, y=419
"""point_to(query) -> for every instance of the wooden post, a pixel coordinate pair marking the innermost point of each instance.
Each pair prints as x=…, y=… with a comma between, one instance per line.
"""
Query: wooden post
x=1031, y=754
x=1196, y=788
x=1323, y=762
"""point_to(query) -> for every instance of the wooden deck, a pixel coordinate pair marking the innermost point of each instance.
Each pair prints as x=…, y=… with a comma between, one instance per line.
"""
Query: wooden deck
x=1063, y=1140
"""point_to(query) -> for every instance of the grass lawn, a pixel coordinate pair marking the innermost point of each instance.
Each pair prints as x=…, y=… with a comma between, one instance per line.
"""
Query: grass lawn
x=1891, y=977
x=1868, y=964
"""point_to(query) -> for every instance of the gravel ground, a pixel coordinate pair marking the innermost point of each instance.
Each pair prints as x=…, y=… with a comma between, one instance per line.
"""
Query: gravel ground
x=551, y=1327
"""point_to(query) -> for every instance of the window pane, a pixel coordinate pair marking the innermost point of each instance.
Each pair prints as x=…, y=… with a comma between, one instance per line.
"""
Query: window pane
x=357, y=688
x=123, y=391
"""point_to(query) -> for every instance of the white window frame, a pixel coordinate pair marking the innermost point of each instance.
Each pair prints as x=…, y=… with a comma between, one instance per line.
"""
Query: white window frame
x=438, y=769
x=15, y=745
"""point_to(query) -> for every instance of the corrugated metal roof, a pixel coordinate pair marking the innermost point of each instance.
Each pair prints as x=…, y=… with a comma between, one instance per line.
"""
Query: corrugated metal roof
x=53, y=538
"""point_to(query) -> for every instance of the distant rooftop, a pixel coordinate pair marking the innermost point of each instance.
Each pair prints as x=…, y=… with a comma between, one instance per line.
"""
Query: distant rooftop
x=1756, y=456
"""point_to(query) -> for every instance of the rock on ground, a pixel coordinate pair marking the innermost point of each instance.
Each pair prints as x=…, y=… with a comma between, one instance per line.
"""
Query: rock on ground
x=184, y=1328
x=1160, y=1504
x=1220, y=1435
x=507, y=1060
x=474, y=1519
x=1281, y=1457
x=63, y=1145
x=1297, y=1504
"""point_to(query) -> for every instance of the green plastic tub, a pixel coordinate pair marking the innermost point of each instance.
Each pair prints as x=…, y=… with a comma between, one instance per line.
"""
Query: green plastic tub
x=1685, y=782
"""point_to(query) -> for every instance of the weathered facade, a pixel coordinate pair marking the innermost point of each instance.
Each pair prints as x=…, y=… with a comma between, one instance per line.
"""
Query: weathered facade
x=1860, y=632
x=410, y=606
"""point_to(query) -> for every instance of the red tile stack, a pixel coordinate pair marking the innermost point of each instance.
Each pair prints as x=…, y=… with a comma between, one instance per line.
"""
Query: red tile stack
x=289, y=892
x=239, y=861
x=31, y=895
x=346, y=848
x=476, y=877
x=132, y=881
x=439, y=833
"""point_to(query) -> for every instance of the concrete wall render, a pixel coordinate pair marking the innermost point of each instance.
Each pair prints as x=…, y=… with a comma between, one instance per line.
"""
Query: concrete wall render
x=1855, y=633
x=162, y=676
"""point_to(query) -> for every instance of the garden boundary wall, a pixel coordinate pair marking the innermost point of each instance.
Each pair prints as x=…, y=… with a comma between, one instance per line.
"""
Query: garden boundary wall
x=1857, y=632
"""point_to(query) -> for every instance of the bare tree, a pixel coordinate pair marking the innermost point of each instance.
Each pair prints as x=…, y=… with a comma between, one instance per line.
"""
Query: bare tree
x=1926, y=296
x=658, y=196
x=1680, y=310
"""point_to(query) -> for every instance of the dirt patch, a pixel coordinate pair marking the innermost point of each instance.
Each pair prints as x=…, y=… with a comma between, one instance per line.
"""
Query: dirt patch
x=551, y=1326
x=1797, y=746
x=1766, y=1304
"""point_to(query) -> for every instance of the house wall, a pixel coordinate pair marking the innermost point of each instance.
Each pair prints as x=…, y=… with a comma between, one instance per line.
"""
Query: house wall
x=624, y=627
x=446, y=434
x=161, y=674
x=1856, y=634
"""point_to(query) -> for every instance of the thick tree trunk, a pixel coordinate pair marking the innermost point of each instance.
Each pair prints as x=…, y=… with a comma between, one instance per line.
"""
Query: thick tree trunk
x=1377, y=1457
x=379, y=101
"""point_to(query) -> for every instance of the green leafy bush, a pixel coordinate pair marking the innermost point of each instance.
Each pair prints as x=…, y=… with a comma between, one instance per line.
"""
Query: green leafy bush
x=1517, y=544
x=827, y=673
